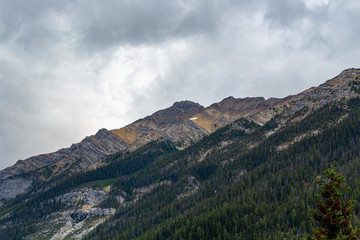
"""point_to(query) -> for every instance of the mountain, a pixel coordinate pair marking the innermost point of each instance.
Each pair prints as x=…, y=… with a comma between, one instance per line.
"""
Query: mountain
x=183, y=122
x=238, y=169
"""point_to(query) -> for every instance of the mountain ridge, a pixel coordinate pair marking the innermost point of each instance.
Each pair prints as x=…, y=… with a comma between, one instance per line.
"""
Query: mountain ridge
x=184, y=122
x=144, y=130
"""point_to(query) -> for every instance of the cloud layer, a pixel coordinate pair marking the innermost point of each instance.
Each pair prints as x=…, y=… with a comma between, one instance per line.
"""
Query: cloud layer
x=68, y=68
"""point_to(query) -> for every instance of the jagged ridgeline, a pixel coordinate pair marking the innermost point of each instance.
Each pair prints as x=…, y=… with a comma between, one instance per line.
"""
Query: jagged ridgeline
x=239, y=169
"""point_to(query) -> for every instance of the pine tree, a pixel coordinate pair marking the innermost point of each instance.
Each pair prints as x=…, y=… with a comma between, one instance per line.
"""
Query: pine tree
x=333, y=218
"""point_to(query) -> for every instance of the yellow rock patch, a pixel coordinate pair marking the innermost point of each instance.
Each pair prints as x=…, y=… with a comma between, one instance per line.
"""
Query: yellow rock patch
x=128, y=134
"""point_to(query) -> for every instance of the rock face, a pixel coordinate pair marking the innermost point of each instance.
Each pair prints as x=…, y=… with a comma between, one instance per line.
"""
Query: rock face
x=315, y=97
x=85, y=196
x=152, y=126
x=87, y=152
x=188, y=121
x=229, y=110
x=80, y=214
x=307, y=101
x=10, y=188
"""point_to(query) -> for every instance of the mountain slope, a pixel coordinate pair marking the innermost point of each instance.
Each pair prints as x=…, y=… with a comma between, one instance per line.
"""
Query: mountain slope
x=230, y=109
x=252, y=178
x=187, y=121
x=88, y=150
x=184, y=122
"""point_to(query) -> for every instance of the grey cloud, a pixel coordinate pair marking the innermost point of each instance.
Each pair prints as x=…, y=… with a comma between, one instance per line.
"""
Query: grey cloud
x=294, y=17
x=143, y=22
x=342, y=19
x=303, y=28
x=54, y=55
x=285, y=12
x=204, y=19
x=124, y=22
x=97, y=26
x=18, y=17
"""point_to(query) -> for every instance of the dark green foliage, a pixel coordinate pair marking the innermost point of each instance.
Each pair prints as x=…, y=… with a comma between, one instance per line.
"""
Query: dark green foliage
x=354, y=103
x=272, y=124
x=247, y=124
x=355, y=85
x=333, y=217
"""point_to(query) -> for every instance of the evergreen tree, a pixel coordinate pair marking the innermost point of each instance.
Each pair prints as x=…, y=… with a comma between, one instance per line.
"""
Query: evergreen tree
x=333, y=218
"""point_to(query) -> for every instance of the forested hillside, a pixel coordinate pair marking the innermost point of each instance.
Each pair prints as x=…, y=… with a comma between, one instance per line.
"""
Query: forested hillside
x=246, y=180
x=261, y=194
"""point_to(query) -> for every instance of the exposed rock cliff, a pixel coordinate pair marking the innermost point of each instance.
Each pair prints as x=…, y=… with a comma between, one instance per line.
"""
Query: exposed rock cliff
x=229, y=110
x=9, y=188
x=187, y=121
x=152, y=127
x=85, y=153
x=80, y=216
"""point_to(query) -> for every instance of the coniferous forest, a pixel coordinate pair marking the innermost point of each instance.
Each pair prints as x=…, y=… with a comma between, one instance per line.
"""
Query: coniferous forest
x=217, y=188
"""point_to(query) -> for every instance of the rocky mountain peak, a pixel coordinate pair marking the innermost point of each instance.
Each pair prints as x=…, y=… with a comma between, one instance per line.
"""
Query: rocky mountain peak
x=187, y=105
x=89, y=150
x=349, y=73
x=343, y=79
x=159, y=124
x=238, y=104
x=178, y=110
x=102, y=132
x=228, y=110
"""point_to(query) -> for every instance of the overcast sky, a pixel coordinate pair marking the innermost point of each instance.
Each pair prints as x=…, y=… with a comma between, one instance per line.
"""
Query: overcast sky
x=71, y=67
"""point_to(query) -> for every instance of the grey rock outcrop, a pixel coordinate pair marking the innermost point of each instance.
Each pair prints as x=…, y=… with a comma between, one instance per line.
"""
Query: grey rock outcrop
x=80, y=214
x=87, y=152
x=10, y=188
x=84, y=195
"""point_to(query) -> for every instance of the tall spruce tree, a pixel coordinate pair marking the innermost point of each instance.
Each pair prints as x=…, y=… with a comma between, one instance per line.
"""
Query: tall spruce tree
x=333, y=217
